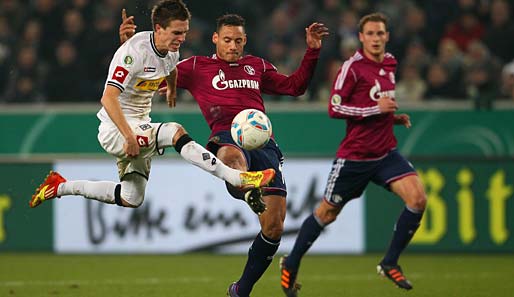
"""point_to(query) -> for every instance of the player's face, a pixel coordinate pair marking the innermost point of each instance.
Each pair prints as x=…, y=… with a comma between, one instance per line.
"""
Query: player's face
x=171, y=37
x=230, y=42
x=374, y=38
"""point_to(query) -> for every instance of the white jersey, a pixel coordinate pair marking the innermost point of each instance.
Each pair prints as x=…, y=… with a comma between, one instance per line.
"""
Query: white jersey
x=137, y=69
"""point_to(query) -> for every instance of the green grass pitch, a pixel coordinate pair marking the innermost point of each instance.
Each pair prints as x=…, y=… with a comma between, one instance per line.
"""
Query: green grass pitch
x=39, y=275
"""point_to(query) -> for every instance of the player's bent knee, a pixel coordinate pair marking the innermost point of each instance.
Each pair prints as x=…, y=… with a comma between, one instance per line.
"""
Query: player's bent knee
x=420, y=202
x=273, y=230
x=167, y=134
x=327, y=213
x=133, y=190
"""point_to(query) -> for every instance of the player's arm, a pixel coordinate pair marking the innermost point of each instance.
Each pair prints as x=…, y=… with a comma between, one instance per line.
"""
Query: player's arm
x=127, y=27
x=171, y=88
x=112, y=106
x=342, y=103
x=296, y=84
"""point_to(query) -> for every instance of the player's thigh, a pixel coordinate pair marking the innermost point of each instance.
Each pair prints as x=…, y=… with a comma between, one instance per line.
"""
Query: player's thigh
x=347, y=180
x=411, y=190
x=270, y=156
x=112, y=141
x=223, y=146
x=272, y=220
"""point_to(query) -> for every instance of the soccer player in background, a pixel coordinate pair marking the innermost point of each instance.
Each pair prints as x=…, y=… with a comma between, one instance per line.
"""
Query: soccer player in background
x=225, y=84
x=126, y=130
x=363, y=95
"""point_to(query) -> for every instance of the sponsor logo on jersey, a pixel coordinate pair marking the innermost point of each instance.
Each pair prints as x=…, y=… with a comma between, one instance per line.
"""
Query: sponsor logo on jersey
x=145, y=127
x=149, y=69
x=376, y=93
x=249, y=69
x=148, y=85
x=142, y=141
x=219, y=83
x=120, y=74
x=128, y=60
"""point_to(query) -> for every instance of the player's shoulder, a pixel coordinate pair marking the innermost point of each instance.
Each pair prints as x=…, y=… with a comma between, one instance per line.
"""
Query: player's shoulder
x=253, y=59
x=194, y=61
x=389, y=59
x=140, y=38
x=354, y=62
x=140, y=43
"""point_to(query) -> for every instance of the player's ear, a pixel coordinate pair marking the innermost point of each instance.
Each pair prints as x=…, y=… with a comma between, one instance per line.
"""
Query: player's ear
x=215, y=37
x=244, y=40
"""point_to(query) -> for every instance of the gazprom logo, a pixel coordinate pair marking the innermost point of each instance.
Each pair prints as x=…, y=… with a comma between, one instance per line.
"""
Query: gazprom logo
x=376, y=93
x=220, y=83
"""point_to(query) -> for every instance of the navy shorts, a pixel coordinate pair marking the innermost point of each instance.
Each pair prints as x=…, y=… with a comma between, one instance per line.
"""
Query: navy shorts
x=269, y=156
x=348, y=178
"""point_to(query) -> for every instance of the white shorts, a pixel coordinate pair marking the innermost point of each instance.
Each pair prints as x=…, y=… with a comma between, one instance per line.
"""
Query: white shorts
x=112, y=142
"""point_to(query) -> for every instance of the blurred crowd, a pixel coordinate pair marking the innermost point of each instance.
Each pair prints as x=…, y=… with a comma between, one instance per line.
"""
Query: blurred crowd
x=59, y=50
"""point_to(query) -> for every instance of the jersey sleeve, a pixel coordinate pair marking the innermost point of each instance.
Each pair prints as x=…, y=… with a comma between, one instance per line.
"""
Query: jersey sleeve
x=295, y=84
x=342, y=104
x=185, y=72
x=124, y=65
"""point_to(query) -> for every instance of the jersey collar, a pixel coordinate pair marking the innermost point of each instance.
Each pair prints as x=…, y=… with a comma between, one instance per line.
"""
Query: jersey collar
x=152, y=42
x=231, y=64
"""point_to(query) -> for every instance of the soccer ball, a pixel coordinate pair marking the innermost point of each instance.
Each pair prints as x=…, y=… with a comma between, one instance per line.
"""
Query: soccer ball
x=251, y=129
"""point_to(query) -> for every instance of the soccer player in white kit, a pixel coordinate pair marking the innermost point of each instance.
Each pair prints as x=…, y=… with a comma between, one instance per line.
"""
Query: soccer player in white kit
x=126, y=131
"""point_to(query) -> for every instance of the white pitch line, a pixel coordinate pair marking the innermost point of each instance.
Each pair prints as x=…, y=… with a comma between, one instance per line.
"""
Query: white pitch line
x=188, y=280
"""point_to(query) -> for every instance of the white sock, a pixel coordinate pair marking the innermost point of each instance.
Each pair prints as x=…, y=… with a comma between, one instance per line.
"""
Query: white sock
x=97, y=190
x=199, y=156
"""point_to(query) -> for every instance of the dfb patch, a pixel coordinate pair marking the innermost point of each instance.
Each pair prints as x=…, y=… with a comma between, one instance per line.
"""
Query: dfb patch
x=206, y=156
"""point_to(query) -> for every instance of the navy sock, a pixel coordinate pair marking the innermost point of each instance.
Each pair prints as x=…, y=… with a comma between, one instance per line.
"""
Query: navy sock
x=308, y=233
x=260, y=256
x=404, y=230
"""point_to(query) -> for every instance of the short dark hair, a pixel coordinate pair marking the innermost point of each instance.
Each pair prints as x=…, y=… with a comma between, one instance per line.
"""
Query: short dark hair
x=229, y=20
x=168, y=10
x=373, y=17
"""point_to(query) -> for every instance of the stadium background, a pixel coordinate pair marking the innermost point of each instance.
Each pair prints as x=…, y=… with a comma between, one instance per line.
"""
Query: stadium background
x=456, y=82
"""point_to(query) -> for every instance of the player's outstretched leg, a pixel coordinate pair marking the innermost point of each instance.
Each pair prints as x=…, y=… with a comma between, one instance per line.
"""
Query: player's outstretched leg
x=48, y=189
x=288, y=279
x=395, y=274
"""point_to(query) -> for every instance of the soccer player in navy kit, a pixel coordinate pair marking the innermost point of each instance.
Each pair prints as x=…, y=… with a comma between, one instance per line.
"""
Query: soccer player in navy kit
x=223, y=85
x=363, y=95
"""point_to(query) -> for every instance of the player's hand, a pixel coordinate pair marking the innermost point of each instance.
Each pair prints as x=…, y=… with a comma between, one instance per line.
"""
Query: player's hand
x=387, y=104
x=171, y=98
x=127, y=27
x=402, y=119
x=131, y=147
x=163, y=90
x=314, y=33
